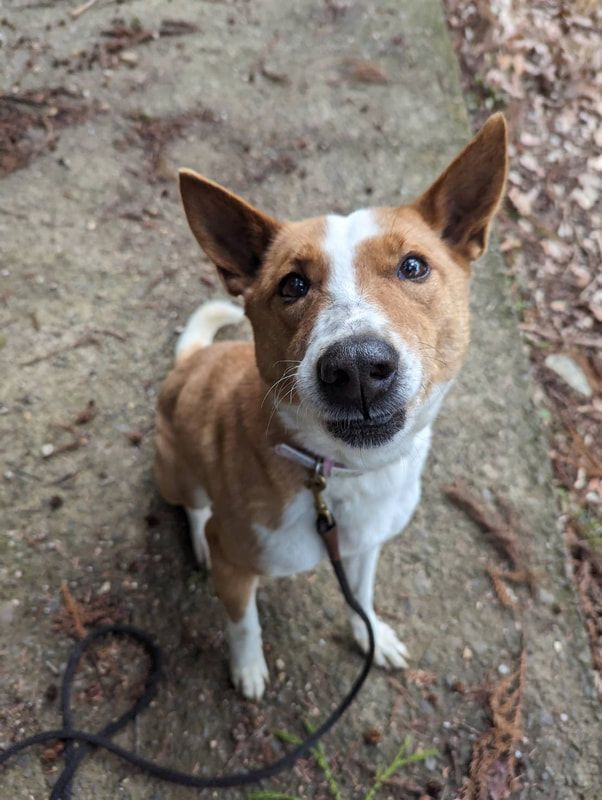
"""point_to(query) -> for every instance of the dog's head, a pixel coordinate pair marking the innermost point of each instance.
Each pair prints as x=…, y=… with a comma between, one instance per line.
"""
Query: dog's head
x=360, y=321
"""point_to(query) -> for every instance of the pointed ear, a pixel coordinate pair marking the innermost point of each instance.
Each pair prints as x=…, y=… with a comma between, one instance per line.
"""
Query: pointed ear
x=463, y=200
x=232, y=233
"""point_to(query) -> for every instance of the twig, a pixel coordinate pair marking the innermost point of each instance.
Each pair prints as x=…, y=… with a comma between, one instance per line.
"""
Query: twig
x=87, y=414
x=73, y=609
x=84, y=341
x=77, y=12
x=108, y=332
x=500, y=528
x=79, y=440
x=582, y=340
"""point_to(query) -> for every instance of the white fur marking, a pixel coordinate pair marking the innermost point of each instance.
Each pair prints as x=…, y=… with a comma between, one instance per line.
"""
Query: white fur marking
x=205, y=323
x=369, y=508
x=361, y=572
x=343, y=235
x=197, y=519
x=248, y=669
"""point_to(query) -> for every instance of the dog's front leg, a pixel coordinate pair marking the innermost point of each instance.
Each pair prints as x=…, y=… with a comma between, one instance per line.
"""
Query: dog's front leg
x=236, y=589
x=361, y=571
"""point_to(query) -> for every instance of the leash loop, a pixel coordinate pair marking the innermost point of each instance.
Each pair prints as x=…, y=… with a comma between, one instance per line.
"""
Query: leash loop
x=79, y=743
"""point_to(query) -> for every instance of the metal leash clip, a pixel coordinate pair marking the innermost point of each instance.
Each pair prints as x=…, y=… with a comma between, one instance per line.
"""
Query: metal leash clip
x=317, y=485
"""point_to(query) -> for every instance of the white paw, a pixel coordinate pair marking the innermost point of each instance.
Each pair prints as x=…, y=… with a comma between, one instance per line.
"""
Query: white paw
x=389, y=651
x=250, y=679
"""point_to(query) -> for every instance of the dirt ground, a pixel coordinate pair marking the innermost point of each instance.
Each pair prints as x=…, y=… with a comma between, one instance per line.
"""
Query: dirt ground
x=303, y=107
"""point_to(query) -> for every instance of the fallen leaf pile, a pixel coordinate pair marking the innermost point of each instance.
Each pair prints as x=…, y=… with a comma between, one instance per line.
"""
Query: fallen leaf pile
x=541, y=63
x=30, y=122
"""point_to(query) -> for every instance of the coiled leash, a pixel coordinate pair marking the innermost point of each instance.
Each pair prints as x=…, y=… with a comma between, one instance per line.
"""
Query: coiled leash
x=80, y=743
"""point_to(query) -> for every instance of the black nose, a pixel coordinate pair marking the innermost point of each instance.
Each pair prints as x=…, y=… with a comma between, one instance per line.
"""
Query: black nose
x=356, y=372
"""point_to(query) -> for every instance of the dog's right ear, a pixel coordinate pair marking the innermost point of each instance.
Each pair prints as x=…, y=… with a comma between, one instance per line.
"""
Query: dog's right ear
x=232, y=233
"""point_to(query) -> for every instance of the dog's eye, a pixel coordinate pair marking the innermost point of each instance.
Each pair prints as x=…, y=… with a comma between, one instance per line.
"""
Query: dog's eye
x=293, y=286
x=413, y=268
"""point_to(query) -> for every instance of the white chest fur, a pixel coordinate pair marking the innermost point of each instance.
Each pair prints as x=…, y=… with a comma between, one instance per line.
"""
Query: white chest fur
x=369, y=508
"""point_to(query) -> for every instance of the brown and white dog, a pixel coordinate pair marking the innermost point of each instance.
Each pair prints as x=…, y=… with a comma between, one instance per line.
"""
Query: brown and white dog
x=360, y=325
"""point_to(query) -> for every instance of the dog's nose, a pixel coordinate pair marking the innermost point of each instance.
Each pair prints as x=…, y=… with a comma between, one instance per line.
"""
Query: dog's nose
x=355, y=372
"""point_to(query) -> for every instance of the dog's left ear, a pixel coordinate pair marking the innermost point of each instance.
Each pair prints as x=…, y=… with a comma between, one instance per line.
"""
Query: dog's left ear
x=461, y=203
x=233, y=233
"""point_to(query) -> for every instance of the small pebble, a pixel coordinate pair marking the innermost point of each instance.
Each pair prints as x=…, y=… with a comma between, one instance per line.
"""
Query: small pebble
x=570, y=372
x=128, y=57
x=7, y=613
x=467, y=654
x=280, y=664
x=558, y=646
x=47, y=450
x=564, y=717
x=105, y=588
x=503, y=669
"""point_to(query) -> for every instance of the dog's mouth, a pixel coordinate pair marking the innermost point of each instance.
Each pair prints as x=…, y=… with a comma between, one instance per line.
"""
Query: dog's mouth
x=367, y=432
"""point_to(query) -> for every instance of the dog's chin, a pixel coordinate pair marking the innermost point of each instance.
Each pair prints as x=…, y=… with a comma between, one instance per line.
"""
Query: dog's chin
x=367, y=432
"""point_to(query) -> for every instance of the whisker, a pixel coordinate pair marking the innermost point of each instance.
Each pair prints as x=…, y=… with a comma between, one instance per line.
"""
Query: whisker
x=290, y=372
x=281, y=394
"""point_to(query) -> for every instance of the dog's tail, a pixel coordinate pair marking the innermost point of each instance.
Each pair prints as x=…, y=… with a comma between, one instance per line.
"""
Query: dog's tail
x=205, y=323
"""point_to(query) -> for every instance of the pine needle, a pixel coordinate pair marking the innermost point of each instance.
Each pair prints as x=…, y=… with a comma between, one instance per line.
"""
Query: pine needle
x=402, y=759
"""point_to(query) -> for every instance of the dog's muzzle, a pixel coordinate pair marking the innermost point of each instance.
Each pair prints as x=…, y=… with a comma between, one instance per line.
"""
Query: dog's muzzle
x=359, y=380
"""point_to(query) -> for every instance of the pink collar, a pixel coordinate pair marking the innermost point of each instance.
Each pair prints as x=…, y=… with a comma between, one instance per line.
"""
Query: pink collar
x=320, y=465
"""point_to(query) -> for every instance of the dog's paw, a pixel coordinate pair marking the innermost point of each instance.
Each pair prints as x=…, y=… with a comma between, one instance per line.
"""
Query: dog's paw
x=250, y=679
x=389, y=651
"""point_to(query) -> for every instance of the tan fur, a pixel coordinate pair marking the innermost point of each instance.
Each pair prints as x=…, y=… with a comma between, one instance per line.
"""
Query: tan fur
x=214, y=431
x=432, y=317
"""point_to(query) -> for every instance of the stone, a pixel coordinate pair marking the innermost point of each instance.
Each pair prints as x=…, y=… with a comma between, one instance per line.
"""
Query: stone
x=570, y=372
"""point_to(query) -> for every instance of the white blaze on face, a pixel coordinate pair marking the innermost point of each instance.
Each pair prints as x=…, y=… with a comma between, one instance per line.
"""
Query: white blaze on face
x=349, y=313
x=343, y=235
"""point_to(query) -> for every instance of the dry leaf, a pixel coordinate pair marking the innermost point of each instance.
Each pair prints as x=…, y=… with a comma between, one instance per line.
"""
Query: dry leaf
x=362, y=71
x=523, y=201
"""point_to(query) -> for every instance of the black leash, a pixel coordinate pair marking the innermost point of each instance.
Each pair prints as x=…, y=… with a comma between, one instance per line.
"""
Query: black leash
x=80, y=743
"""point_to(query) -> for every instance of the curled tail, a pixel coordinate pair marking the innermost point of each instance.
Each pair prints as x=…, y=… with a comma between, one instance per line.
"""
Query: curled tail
x=205, y=323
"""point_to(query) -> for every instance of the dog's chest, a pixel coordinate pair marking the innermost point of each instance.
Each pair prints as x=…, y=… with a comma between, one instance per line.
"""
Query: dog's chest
x=369, y=509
